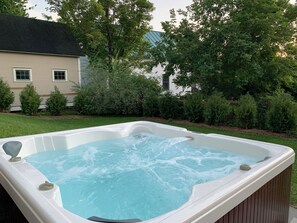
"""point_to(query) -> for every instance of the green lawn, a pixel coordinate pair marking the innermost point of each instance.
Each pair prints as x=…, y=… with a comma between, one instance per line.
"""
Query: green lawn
x=16, y=125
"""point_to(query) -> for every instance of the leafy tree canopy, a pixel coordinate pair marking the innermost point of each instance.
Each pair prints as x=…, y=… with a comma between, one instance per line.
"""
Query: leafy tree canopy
x=107, y=29
x=14, y=7
x=232, y=46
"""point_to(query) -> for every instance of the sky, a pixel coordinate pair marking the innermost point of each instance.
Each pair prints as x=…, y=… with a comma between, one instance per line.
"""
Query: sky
x=160, y=14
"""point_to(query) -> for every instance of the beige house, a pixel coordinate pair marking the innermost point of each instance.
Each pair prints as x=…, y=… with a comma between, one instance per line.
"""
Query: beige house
x=39, y=52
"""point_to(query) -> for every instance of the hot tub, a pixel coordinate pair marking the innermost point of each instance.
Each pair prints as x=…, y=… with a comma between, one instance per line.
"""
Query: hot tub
x=260, y=194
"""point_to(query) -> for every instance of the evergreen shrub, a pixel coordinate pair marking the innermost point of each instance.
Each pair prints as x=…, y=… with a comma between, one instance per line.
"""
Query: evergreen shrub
x=282, y=115
x=151, y=106
x=6, y=96
x=263, y=103
x=56, y=103
x=30, y=100
x=194, y=107
x=170, y=106
x=216, y=110
x=246, y=112
x=83, y=101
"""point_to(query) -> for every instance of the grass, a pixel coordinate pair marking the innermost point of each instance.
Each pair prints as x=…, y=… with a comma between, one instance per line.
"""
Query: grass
x=16, y=125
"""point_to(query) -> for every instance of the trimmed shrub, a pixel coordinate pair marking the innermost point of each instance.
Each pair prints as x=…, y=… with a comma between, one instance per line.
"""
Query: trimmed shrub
x=194, y=107
x=83, y=101
x=170, y=106
x=281, y=116
x=6, y=96
x=30, y=100
x=56, y=103
x=263, y=103
x=216, y=110
x=151, y=106
x=231, y=119
x=246, y=112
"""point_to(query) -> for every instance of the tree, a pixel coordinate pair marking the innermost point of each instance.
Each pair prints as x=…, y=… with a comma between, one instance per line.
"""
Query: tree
x=107, y=29
x=232, y=46
x=14, y=7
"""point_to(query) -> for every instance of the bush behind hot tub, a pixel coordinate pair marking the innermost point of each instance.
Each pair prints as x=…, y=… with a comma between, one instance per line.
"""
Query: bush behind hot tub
x=119, y=91
x=115, y=90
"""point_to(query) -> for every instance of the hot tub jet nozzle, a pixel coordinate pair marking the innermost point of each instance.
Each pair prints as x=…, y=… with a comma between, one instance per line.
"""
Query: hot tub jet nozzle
x=245, y=167
x=46, y=186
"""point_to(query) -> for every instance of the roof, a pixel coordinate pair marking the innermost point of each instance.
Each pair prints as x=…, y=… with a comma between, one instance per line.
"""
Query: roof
x=27, y=35
x=153, y=37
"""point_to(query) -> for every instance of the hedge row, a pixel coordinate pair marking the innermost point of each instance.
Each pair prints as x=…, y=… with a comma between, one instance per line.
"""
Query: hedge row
x=135, y=95
x=277, y=113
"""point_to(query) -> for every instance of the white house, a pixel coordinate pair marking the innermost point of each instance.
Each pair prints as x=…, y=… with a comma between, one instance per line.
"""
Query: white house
x=155, y=37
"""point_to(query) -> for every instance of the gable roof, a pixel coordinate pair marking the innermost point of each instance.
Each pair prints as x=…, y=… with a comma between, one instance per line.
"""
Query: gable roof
x=27, y=35
x=153, y=37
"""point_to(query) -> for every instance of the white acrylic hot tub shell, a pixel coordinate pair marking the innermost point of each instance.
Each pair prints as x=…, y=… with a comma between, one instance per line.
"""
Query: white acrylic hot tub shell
x=208, y=202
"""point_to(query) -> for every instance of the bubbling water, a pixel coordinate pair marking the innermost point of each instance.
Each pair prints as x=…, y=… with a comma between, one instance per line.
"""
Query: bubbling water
x=139, y=176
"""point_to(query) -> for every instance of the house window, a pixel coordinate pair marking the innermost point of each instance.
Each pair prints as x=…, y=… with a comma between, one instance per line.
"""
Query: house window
x=165, y=82
x=59, y=75
x=22, y=74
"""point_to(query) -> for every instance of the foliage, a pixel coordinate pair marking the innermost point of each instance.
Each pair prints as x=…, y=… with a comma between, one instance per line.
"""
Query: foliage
x=144, y=87
x=30, y=100
x=233, y=47
x=193, y=107
x=83, y=101
x=151, y=106
x=6, y=96
x=216, y=110
x=114, y=92
x=281, y=115
x=107, y=29
x=246, y=112
x=170, y=106
x=263, y=103
x=14, y=7
x=56, y=102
